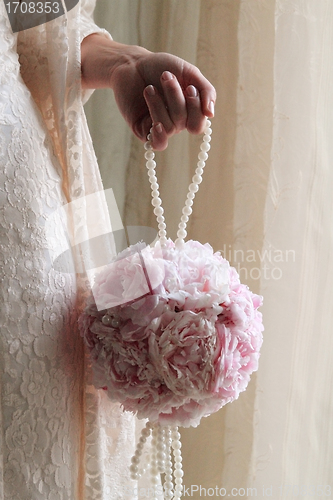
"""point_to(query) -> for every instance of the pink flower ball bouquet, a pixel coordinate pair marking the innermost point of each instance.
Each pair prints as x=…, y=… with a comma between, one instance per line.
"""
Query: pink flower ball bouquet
x=185, y=345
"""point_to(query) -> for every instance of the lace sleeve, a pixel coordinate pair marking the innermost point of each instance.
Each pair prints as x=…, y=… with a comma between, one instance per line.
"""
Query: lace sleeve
x=87, y=27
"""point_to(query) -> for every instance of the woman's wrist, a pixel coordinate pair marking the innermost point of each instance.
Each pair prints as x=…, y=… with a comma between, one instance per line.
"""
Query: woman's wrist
x=100, y=58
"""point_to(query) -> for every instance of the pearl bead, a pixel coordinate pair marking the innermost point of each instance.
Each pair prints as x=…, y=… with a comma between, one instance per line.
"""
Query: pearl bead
x=193, y=188
x=201, y=164
x=178, y=473
x=207, y=138
x=158, y=211
x=197, y=179
x=176, y=445
x=202, y=156
x=168, y=487
x=162, y=225
x=155, y=479
x=145, y=432
x=149, y=155
x=156, y=202
x=189, y=202
x=179, y=243
x=147, y=146
x=162, y=233
x=106, y=320
x=115, y=323
x=187, y=211
x=181, y=233
x=151, y=163
x=205, y=146
x=134, y=469
x=155, y=193
x=154, y=186
x=184, y=218
x=199, y=171
x=182, y=225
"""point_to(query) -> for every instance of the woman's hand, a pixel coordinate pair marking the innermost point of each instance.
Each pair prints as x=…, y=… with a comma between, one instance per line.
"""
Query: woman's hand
x=149, y=88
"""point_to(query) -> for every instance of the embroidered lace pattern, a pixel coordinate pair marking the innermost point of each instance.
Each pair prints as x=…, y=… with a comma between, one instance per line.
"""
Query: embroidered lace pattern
x=59, y=438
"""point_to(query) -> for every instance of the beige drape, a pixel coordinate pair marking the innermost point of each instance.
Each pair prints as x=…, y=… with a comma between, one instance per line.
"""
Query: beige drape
x=266, y=202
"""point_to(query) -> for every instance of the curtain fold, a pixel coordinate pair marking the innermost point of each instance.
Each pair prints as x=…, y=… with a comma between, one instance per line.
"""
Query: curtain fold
x=265, y=202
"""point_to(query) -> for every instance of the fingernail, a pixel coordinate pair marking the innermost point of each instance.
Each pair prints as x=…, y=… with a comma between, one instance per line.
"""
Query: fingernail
x=191, y=91
x=150, y=90
x=211, y=107
x=166, y=75
x=158, y=128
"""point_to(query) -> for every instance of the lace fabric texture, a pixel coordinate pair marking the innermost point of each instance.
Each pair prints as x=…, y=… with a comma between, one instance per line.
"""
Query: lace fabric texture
x=60, y=439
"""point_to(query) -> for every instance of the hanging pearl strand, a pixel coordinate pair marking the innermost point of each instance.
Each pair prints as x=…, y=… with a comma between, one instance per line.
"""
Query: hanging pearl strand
x=177, y=456
x=164, y=441
x=168, y=481
x=192, y=190
x=135, y=472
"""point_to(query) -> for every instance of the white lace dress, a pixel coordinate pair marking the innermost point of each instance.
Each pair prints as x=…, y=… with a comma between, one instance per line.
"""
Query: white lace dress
x=59, y=438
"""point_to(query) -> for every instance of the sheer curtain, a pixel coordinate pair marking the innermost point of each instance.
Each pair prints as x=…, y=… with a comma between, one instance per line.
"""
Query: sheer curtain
x=266, y=202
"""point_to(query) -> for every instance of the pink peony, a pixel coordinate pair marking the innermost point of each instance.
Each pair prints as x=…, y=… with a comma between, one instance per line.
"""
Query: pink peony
x=185, y=345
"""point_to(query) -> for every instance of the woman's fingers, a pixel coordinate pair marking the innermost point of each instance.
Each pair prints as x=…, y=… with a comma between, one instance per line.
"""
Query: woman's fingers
x=175, y=100
x=159, y=137
x=169, y=107
x=157, y=108
x=173, y=109
x=195, y=119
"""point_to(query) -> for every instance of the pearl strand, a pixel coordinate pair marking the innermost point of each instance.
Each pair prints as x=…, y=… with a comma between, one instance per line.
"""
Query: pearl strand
x=168, y=482
x=177, y=456
x=194, y=186
x=192, y=190
x=156, y=200
x=135, y=472
x=164, y=439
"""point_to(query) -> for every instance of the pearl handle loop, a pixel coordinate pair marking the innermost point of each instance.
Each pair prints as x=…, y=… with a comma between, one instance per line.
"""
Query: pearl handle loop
x=192, y=189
